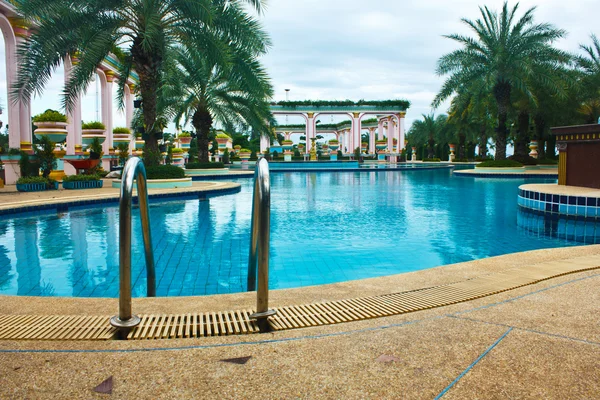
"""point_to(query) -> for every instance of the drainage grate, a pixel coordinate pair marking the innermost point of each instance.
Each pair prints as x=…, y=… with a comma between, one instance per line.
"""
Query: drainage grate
x=56, y=327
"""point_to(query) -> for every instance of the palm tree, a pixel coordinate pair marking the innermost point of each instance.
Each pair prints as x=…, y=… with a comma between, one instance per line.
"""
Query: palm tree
x=427, y=131
x=505, y=55
x=589, y=64
x=144, y=29
x=234, y=92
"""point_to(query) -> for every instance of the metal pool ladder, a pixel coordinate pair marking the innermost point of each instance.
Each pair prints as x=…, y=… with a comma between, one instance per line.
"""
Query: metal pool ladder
x=134, y=169
x=259, y=244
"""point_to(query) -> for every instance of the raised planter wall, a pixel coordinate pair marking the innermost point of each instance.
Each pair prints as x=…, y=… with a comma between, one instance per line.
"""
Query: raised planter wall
x=83, y=184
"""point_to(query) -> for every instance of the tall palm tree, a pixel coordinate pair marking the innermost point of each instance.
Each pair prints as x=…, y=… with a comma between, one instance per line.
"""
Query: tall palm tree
x=427, y=131
x=504, y=56
x=589, y=65
x=144, y=29
x=232, y=92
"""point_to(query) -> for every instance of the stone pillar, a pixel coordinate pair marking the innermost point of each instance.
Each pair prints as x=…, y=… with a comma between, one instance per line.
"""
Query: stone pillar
x=15, y=33
x=371, y=140
x=107, y=115
x=355, y=131
x=401, y=131
x=264, y=143
x=380, y=129
x=129, y=97
x=310, y=130
x=74, y=116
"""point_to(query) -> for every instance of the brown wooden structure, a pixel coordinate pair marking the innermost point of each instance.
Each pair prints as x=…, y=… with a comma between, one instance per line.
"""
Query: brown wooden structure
x=579, y=155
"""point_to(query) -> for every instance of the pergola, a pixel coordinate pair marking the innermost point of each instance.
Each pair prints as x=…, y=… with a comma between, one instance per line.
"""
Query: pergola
x=15, y=32
x=390, y=116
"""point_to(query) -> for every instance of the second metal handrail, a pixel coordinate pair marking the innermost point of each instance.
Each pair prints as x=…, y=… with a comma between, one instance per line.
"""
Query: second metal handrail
x=259, y=244
x=134, y=169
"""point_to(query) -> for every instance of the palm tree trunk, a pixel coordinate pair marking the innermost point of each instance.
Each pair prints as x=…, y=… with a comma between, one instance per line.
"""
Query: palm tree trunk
x=148, y=67
x=430, y=153
x=522, y=140
x=502, y=96
x=461, y=145
x=202, y=121
x=483, y=141
x=540, y=130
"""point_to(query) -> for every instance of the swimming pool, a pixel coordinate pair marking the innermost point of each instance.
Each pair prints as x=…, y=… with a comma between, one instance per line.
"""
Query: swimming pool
x=326, y=227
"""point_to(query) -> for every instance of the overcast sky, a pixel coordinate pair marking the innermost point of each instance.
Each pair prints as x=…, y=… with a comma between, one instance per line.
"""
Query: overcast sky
x=372, y=50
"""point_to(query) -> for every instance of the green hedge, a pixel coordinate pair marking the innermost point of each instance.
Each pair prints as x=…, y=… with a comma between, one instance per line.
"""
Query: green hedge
x=525, y=160
x=500, y=164
x=93, y=125
x=50, y=116
x=547, y=161
x=81, y=178
x=165, y=172
x=431, y=160
x=35, y=179
x=204, y=165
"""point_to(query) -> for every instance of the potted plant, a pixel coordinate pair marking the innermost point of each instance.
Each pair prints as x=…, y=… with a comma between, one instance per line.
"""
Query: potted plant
x=82, y=182
x=223, y=139
x=121, y=135
x=123, y=153
x=177, y=156
x=185, y=138
x=51, y=124
x=35, y=184
x=92, y=130
x=381, y=144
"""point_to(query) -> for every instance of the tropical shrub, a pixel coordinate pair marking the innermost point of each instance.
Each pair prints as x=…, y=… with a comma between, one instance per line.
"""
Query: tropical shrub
x=525, y=160
x=164, y=172
x=14, y=152
x=203, y=165
x=185, y=134
x=226, y=157
x=500, y=164
x=45, y=156
x=95, y=149
x=93, y=125
x=121, y=129
x=50, y=116
x=223, y=136
x=81, y=178
x=176, y=150
x=36, y=179
x=123, y=153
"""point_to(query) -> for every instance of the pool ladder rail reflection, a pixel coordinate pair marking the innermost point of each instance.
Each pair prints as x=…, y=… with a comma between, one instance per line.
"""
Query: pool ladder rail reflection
x=258, y=256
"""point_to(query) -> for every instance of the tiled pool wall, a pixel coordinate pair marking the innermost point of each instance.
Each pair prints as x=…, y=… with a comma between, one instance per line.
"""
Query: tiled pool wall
x=578, y=207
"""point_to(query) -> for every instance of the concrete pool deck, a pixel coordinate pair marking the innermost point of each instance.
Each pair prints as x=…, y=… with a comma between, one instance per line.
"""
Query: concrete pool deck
x=538, y=341
x=509, y=172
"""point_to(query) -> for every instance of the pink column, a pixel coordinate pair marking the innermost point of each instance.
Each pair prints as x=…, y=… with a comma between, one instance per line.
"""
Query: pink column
x=73, y=116
x=380, y=130
x=371, y=140
x=129, y=113
x=401, y=130
x=390, y=135
x=264, y=143
x=355, y=131
x=10, y=44
x=310, y=130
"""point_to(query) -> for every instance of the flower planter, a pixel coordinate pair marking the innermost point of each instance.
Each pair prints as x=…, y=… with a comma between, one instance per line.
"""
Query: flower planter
x=139, y=144
x=381, y=145
x=185, y=142
x=245, y=157
x=177, y=159
x=83, y=184
x=88, y=136
x=36, y=187
x=121, y=138
x=55, y=131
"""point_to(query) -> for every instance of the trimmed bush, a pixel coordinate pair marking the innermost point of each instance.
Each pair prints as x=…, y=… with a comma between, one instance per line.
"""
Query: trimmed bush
x=122, y=129
x=50, y=116
x=500, y=164
x=34, y=179
x=547, y=161
x=176, y=150
x=431, y=160
x=223, y=136
x=165, y=172
x=81, y=178
x=93, y=125
x=184, y=134
x=525, y=160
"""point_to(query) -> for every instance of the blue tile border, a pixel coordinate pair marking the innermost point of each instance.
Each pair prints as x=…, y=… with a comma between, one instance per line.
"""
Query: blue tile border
x=573, y=207
x=64, y=206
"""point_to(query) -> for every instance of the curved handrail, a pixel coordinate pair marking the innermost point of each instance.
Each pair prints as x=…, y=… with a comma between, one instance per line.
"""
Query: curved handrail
x=134, y=169
x=259, y=244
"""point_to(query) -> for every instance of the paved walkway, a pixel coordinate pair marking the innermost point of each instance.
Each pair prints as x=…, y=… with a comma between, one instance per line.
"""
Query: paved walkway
x=539, y=341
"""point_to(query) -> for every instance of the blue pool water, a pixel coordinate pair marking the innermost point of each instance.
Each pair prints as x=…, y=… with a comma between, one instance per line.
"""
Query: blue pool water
x=326, y=227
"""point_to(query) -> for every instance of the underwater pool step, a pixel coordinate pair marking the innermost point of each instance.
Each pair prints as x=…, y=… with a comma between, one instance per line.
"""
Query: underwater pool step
x=237, y=322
